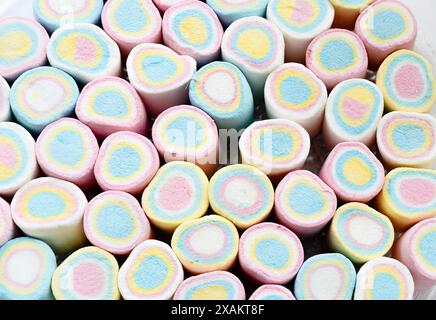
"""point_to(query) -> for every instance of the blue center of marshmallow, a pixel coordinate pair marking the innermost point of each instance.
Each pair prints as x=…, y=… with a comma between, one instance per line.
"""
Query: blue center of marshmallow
x=115, y=221
x=158, y=68
x=295, y=90
x=151, y=272
x=46, y=204
x=124, y=162
x=387, y=24
x=337, y=55
x=228, y=286
x=130, y=16
x=185, y=132
x=427, y=248
x=67, y=147
x=305, y=199
x=386, y=287
x=111, y=104
x=276, y=144
x=272, y=253
x=408, y=137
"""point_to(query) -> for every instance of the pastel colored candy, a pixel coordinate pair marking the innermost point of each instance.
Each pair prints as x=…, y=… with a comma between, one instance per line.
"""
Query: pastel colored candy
x=294, y=92
x=353, y=172
x=126, y=162
x=5, y=109
x=304, y=203
x=193, y=29
x=114, y=221
x=275, y=146
x=408, y=196
x=272, y=292
x=328, y=276
x=164, y=5
x=7, y=226
x=229, y=11
x=221, y=90
x=84, y=51
x=337, y=55
x=177, y=193
x=347, y=11
x=353, y=110
x=206, y=244
x=256, y=47
x=27, y=266
x=53, y=14
x=23, y=46
x=87, y=274
x=17, y=158
x=300, y=21
x=151, y=272
x=216, y=285
x=407, y=139
x=384, y=279
x=407, y=82
x=241, y=193
x=360, y=232
x=160, y=76
x=67, y=149
x=51, y=210
x=269, y=253
x=110, y=104
x=185, y=133
x=386, y=26
x=131, y=22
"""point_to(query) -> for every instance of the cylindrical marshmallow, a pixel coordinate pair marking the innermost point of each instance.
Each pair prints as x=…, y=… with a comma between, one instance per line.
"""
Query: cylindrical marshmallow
x=229, y=11
x=407, y=82
x=51, y=210
x=84, y=51
x=178, y=193
x=67, y=149
x=7, y=226
x=407, y=139
x=221, y=90
x=206, y=244
x=160, y=76
x=386, y=26
x=255, y=46
x=126, y=162
x=353, y=110
x=5, y=109
x=275, y=146
x=131, y=22
x=272, y=292
x=337, y=55
x=353, y=172
x=328, y=276
x=360, y=233
x=241, y=193
x=270, y=253
x=17, y=158
x=164, y=5
x=300, y=22
x=114, y=221
x=347, y=11
x=294, y=92
x=87, y=274
x=53, y=14
x=151, y=272
x=185, y=133
x=23, y=46
x=27, y=266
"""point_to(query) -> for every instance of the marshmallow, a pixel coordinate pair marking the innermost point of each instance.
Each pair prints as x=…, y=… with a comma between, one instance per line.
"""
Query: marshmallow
x=5, y=109
x=347, y=11
x=164, y=5
x=7, y=226
x=229, y=11
x=272, y=292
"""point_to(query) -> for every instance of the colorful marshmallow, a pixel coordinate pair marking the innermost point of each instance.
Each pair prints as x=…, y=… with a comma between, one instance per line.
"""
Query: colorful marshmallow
x=131, y=22
x=360, y=233
x=7, y=226
x=242, y=194
x=229, y=11
x=164, y=5
x=84, y=51
x=300, y=21
x=221, y=90
x=178, y=193
x=51, y=210
x=185, y=133
x=407, y=139
x=272, y=292
x=304, y=203
x=353, y=110
x=216, y=285
x=275, y=146
x=5, y=108
x=23, y=46
x=347, y=12
x=126, y=162
x=88, y=274
x=407, y=82
x=328, y=276
x=385, y=27
x=160, y=76
x=294, y=92
x=269, y=253
x=337, y=55
x=27, y=266
x=353, y=172
x=151, y=272
x=256, y=47
x=17, y=158
x=206, y=244
x=114, y=221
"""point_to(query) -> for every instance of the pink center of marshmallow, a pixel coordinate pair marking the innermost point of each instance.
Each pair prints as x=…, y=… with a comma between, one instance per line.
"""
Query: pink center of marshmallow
x=88, y=279
x=409, y=82
x=85, y=50
x=354, y=109
x=302, y=12
x=175, y=194
x=417, y=191
x=8, y=157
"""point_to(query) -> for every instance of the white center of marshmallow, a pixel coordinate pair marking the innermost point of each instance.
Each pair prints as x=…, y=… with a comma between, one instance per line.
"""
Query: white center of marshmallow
x=23, y=267
x=240, y=193
x=220, y=87
x=207, y=241
x=64, y=7
x=325, y=283
x=365, y=231
x=45, y=95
